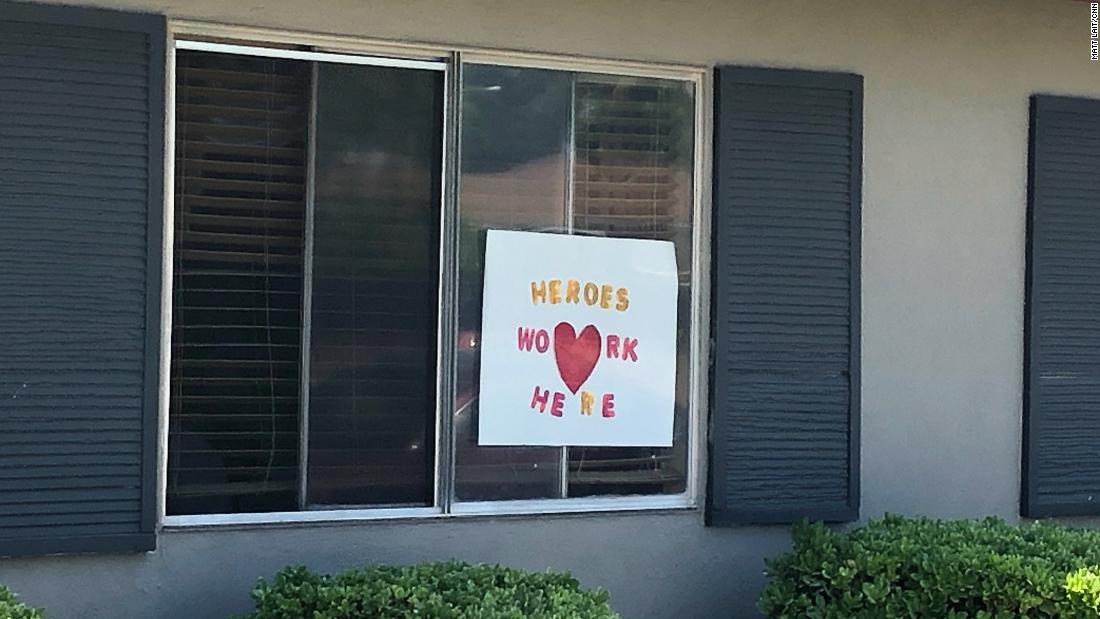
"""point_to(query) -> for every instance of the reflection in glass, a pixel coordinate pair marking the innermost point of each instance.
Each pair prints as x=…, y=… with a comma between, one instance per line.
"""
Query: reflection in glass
x=514, y=175
x=633, y=178
x=241, y=135
x=375, y=286
x=571, y=152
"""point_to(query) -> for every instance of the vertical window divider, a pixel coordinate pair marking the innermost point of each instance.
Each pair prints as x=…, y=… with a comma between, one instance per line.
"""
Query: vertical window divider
x=307, y=295
x=571, y=158
x=570, y=220
x=701, y=340
x=446, y=366
x=167, y=272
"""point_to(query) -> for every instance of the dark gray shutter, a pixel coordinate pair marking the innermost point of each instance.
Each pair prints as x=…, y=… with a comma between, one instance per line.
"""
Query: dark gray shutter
x=81, y=158
x=1061, y=455
x=784, y=433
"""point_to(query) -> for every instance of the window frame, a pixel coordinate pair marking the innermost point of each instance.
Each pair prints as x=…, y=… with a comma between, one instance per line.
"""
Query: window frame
x=449, y=59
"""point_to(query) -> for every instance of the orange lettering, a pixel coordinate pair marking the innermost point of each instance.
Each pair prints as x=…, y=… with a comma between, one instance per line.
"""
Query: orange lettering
x=573, y=291
x=605, y=296
x=555, y=291
x=538, y=292
x=587, y=400
x=591, y=293
x=624, y=301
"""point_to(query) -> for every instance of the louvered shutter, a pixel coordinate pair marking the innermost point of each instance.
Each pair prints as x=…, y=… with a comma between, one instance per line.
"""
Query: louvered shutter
x=1061, y=467
x=784, y=430
x=81, y=158
x=241, y=144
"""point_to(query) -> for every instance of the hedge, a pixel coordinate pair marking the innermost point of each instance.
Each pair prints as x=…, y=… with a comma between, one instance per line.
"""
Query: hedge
x=449, y=590
x=12, y=608
x=899, y=567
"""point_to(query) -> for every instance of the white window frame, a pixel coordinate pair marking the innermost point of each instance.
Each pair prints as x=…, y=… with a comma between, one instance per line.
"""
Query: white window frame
x=450, y=59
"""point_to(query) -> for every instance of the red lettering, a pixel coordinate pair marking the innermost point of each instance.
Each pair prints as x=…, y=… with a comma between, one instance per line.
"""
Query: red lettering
x=526, y=338
x=612, y=346
x=629, y=344
x=559, y=403
x=539, y=338
x=542, y=340
x=608, y=405
x=540, y=399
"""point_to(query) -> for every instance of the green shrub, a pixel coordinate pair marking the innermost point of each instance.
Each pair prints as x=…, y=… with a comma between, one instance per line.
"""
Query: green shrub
x=449, y=590
x=12, y=608
x=921, y=568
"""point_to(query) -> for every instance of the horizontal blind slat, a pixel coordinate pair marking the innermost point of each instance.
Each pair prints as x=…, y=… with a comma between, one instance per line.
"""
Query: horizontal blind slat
x=241, y=129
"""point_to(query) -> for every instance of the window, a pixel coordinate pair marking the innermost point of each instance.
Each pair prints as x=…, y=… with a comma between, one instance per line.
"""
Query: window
x=582, y=153
x=303, y=185
x=311, y=247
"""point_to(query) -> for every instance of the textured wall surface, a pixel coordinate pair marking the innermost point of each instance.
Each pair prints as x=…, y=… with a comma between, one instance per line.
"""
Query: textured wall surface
x=945, y=143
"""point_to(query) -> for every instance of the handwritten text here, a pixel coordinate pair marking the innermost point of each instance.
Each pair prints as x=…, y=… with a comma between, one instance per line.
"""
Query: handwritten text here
x=578, y=341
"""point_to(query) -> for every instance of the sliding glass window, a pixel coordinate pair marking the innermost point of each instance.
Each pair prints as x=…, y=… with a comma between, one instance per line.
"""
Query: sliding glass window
x=306, y=279
x=571, y=153
x=316, y=222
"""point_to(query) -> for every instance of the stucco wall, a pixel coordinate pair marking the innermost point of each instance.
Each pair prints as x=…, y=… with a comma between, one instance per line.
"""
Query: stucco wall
x=947, y=86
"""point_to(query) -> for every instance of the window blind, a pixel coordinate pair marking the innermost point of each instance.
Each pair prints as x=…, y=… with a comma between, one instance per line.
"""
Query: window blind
x=515, y=175
x=632, y=171
x=241, y=150
x=375, y=298
x=633, y=178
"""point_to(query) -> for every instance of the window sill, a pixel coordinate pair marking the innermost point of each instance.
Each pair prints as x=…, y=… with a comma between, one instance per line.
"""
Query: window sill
x=538, y=507
x=571, y=506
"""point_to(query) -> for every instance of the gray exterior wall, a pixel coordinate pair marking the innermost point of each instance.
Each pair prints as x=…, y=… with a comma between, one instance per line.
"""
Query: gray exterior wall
x=945, y=145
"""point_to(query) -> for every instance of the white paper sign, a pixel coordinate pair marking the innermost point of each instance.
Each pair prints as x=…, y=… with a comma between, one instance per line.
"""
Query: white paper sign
x=578, y=341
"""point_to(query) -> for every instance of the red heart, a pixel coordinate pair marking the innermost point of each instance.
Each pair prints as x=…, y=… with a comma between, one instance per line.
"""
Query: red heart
x=575, y=355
